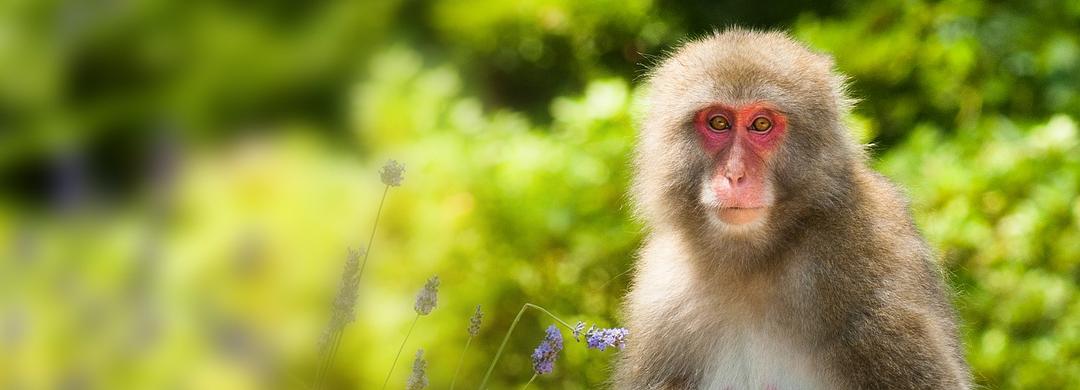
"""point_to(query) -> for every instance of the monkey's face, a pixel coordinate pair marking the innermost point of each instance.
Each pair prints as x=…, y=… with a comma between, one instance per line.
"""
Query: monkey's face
x=740, y=141
x=741, y=137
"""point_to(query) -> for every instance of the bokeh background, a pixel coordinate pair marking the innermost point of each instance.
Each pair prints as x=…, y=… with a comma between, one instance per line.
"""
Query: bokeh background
x=182, y=179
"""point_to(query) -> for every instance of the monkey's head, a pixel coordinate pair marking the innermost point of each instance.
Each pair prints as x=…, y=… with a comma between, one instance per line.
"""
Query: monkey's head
x=742, y=136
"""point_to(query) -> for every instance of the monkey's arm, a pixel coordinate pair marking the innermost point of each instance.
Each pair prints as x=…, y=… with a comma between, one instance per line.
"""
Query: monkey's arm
x=638, y=371
x=894, y=327
x=895, y=347
x=629, y=381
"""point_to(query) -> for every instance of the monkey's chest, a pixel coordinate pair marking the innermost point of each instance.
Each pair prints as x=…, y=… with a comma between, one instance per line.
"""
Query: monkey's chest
x=744, y=357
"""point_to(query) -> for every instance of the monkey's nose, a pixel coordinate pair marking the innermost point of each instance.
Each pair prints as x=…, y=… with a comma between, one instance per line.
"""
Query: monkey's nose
x=735, y=178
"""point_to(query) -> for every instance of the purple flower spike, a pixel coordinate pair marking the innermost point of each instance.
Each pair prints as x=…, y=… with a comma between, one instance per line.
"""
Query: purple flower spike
x=603, y=338
x=544, y=355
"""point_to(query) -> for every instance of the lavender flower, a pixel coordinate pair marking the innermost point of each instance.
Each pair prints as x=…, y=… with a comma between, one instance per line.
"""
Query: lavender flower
x=602, y=338
x=580, y=326
x=418, y=379
x=428, y=297
x=392, y=173
x=474, y=322
x=544, y=356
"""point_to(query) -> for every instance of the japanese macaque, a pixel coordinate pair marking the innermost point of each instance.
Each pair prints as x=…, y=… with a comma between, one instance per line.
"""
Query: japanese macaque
x=775, y=258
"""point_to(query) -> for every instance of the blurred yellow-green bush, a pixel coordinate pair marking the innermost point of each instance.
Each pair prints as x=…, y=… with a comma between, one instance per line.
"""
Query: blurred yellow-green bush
x=182, y=180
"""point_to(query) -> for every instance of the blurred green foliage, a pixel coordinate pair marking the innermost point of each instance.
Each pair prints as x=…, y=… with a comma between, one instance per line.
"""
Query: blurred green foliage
x=182, y=179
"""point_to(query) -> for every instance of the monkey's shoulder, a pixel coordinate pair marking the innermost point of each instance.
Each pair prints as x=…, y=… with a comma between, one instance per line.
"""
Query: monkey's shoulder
x=885, y=200
x=878, y=230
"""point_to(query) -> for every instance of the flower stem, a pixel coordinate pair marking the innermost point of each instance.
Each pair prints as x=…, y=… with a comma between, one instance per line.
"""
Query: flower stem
x=327, y=361
x=389, y=374
x=460, y=361
x=331, y=354
x=568, y=326
x=326, y=357
x=323, y=352
x=529, y=382
x=506, y=338
x=371, y=238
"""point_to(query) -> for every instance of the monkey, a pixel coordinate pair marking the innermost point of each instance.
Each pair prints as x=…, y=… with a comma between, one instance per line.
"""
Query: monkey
x=774, y=257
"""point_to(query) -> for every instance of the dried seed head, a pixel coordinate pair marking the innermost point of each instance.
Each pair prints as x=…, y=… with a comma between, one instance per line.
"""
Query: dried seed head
x=324, y=340
x=392, y=173
x=418, y=378
x=474, y=322
x=428, y=297
x=344, y=306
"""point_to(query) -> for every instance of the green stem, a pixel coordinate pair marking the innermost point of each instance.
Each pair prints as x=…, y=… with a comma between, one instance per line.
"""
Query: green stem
x=318, y=371
x=328, y=362
x=568, y=326
x=402, y=347
x=506, y=338
x=371, y=238
x=460, y=361
x=331, y=353
x=320, y=366
x=529, y=382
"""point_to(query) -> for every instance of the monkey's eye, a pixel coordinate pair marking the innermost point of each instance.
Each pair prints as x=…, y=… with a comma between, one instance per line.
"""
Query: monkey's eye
x=719, y=123
x=761, y=125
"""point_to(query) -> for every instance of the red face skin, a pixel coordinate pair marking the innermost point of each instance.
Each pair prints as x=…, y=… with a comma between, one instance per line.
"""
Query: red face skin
x=739, y=182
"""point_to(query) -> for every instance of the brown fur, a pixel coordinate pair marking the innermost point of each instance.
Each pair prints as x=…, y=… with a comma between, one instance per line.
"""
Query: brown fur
x=838, y=270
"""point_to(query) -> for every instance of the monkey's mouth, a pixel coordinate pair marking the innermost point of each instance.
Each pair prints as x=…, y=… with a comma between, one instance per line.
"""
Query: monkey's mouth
x=740, y=215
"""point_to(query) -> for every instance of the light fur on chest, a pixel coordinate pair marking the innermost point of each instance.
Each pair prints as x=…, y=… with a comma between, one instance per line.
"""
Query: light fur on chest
x=729, y=327
x=751, y=357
